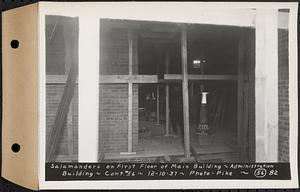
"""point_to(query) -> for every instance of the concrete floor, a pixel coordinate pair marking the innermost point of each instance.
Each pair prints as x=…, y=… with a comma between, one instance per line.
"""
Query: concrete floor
x=154, y=146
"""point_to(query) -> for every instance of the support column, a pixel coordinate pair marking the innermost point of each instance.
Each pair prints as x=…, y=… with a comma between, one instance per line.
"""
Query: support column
x=130, y=93
x=88, y=89
x=167, y=98
x=185, y=91
x=266, y=85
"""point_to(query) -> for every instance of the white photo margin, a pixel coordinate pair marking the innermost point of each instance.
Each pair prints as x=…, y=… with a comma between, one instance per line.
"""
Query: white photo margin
x=217, y=13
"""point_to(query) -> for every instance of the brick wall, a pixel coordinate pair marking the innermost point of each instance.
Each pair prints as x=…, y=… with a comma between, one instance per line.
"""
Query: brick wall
x=113, y=98
x=113, y=117
x=53, y=96
x=283, y=97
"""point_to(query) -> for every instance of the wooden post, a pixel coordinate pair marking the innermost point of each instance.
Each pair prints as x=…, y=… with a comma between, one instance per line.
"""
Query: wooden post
x=130, y=96
x=266, y=85
x=157, y=105
x=185, y=91
x=167, y=97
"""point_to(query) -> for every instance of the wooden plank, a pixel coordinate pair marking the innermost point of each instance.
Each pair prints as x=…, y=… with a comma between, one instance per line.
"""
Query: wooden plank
x=128, y=78
x=200, y=77
x=241, y=60
x=130, y=52
x=70, y=130
x=185, y=91
x=101, y=157
x=266, y=85
x=68, y=39
x=195, y=155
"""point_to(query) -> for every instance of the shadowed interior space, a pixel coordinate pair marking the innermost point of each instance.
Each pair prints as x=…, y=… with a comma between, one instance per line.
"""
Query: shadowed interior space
x=158, y=127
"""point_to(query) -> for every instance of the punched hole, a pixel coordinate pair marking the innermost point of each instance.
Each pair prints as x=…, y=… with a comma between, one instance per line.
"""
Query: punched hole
x=15, y=147
x=14, y=44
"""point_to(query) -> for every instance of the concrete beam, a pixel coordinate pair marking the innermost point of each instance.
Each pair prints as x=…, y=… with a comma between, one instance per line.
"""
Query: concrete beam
x=266, y=85
x=88, y=89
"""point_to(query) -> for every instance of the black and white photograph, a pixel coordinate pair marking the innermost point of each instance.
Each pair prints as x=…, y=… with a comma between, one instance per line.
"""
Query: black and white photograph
x=169, y=84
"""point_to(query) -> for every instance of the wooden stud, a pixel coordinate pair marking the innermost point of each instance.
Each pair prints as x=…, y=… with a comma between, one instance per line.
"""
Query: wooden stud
x=185, y=91
x=167, y=97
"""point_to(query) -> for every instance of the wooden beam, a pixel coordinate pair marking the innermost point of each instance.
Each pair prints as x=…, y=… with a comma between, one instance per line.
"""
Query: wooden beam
x=266, y=85
x=128, y=78
x=61, y=79
x=185, y=91
x=200, y=77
